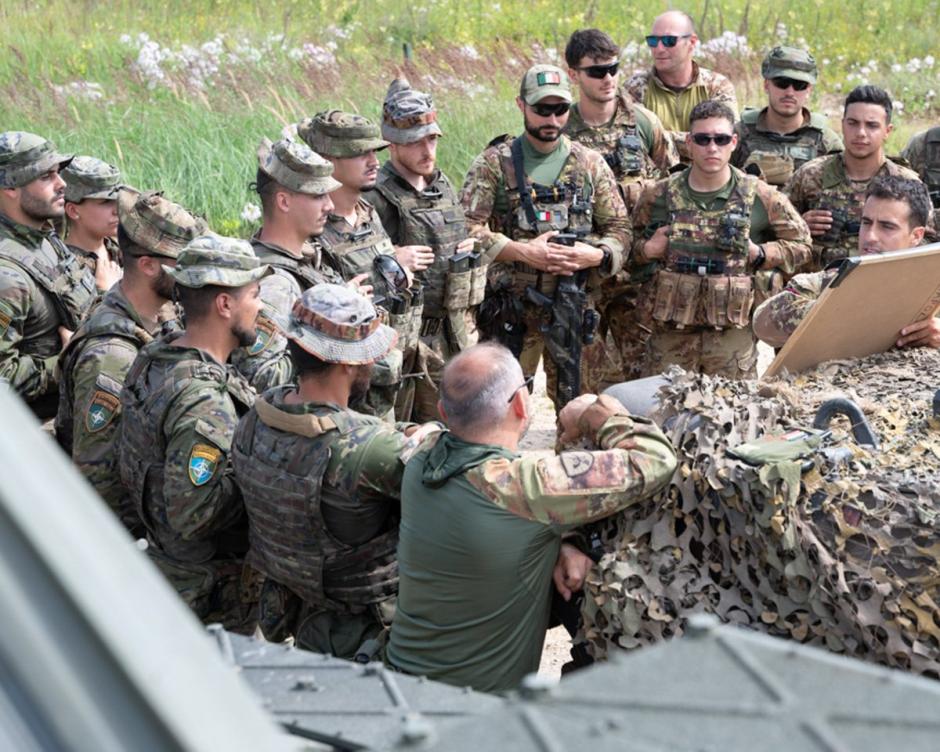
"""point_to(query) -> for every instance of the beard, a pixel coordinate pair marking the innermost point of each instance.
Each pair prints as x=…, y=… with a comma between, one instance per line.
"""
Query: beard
x=361, y=383
x=164, y=285
x=40, y=210
x=541, y=133
x=246, y=337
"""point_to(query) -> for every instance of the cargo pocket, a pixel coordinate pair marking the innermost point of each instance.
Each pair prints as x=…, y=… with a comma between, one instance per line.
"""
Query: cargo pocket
x=716, y=301
x=740, y=301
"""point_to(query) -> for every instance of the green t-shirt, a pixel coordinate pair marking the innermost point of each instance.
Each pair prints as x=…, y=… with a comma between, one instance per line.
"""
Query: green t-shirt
x=544, y=169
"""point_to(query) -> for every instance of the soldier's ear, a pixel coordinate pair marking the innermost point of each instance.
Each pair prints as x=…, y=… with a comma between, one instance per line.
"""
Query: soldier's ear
x=71, y=210
x=440, y=411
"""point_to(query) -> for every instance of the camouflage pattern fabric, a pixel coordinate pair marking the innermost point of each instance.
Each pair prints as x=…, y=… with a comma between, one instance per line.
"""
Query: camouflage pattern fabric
x=90, y=260
x=216, y=260
x=842, y=555
x=25, y=156
x=408, y=115
x=88, y=177
x=781, y=314
x=823, y=184
x=922, y=153
x=155, y=224
x=296, y=167
x=334, y=133
x=732, y=353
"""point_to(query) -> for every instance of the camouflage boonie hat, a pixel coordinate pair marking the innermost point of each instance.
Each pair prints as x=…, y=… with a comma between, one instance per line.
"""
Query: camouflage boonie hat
x=296, y=167
x=789, y=62
x=340, y=134
x=408, y=115
x=215, y=260
x=338, y=325
x=157, y=225
x=542, y=81
x=25, y=156
x=88, y=177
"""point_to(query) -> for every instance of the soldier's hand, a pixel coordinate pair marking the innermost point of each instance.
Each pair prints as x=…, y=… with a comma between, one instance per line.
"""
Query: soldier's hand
x=465, y=245
x=818, y=220
x=107, y=272
x=66, y=336
x=535, y=252
x=924, y=333
x=571, y=569
x=655, y=246
x=360, y=284
x=415, y=258
x=567, y=260
x=570, y=416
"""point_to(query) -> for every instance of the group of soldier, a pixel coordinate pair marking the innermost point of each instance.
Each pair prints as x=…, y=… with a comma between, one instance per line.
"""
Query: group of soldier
x=248, y=406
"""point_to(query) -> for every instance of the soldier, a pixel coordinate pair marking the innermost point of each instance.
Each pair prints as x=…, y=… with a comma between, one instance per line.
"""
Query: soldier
x=894, y=217
x=923, y=155
x=418, y=207
x=784, y=135
x=294, y=184
x=181, y=404
x=829, y=191
x=45, y=292
x=521, y=192
x=638, y=150
x=151, y=231
x=482, y=525
x=91, y=213
x=321, y=482
x=711, y=228
x=676, y=83
x=354, y=238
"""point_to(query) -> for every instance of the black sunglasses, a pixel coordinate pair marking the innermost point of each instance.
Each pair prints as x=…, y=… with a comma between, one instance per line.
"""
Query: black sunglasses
x=392, y=272
x=600, y=71
x=527, y=384
x=785, y=83
x=546, y=110
x=668, y=40
x=704, y=139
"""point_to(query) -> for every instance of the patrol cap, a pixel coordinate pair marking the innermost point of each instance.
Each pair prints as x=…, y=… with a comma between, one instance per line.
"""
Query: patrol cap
x=335, y=133
x=156, y=224
x=408, y=115
x=338, y=325
x=88, y=177
x=25, y=156
x=212, y=259
x=542, y=81
x=789, y=62
x=296, y=167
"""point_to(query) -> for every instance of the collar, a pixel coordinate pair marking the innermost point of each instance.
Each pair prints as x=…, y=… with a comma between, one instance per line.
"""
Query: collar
x=696, y=79
x=28, y=236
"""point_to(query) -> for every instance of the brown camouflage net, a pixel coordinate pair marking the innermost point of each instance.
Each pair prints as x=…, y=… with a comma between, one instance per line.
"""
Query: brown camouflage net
x=843, y=556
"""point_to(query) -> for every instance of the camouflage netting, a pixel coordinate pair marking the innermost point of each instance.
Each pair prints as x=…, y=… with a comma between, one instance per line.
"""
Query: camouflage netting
x=844, y=555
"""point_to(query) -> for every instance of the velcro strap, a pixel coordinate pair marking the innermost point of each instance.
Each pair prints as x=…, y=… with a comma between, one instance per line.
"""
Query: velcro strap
x=306, y=425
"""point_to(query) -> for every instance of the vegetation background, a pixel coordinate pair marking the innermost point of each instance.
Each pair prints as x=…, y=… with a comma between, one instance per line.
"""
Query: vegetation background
x=178, y=93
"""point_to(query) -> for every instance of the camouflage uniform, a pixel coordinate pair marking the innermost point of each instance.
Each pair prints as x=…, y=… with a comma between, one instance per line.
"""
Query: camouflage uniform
x=88, y=177
x=823, y=184
x=480, y=533
x=638, y=151
x=923, y=155
x=98, y=357
x=702, y=291
x=432, y=217
x=351, y=250
x=673, y=107
x=783, y=313
x=42, y=285
x=267, y=363
x=180, y=411
x=321, y=485
x=779, y=154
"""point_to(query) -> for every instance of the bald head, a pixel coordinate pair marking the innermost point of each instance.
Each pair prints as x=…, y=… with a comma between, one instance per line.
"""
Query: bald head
x=673, y=22
x=476, y=387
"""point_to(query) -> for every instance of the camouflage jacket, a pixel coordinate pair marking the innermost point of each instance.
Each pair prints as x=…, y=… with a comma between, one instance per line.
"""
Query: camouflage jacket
x=923, y=155
x=91, y=260
x=779, y=154
x=778, y=317
x=93, y=368
x=823, y=184
x=349, y=249
x=42, y=287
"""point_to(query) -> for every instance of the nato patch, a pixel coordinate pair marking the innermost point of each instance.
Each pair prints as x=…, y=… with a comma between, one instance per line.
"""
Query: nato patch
x=203, y=460
x=265, y=329
x=101, y=411
x=576, y=463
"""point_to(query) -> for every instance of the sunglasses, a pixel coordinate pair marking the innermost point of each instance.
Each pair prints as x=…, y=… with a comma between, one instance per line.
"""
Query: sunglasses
x=785, y=83
x=668, y=40
x=704, y=139
x=547, y=110
x=527, y=384
x=392, y=272
x=600, y=71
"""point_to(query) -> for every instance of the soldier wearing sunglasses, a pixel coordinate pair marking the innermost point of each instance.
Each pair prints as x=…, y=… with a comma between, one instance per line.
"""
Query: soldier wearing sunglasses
x=676, y=83
x=784, y=135
x=705, y=233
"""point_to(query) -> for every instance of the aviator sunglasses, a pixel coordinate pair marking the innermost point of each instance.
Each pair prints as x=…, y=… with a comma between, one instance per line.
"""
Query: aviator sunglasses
x=668, y=40
x=600, y=71
x=704, y=139
x=785, y=83
x=546, y=110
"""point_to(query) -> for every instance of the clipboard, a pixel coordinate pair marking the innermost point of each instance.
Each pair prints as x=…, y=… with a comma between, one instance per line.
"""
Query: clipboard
x=861, y=312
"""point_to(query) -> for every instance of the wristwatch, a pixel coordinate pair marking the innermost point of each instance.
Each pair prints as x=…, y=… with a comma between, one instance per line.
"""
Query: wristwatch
x=607, y=261
x=760, y=259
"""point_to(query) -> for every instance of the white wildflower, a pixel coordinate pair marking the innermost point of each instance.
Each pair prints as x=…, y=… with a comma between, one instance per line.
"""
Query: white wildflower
x=251, y=212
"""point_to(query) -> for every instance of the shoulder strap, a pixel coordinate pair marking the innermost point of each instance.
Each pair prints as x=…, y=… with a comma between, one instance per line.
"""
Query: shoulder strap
x=524, y=195
x=307, y=425
x=750, y=115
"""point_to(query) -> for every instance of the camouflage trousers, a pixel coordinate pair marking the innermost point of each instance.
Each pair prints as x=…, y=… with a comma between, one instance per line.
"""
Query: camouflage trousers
x=731, y=353
x=623, y=351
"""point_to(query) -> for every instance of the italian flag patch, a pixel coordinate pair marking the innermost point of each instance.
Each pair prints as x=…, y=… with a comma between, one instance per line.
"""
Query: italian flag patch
x=543, y=216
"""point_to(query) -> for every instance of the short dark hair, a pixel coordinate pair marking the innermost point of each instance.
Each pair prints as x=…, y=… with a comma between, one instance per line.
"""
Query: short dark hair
x=266, y=187
x=869, y=94
x=911, y=192
x=306, y=364
x=711, y=108
x=197, y=301
x=592, y=43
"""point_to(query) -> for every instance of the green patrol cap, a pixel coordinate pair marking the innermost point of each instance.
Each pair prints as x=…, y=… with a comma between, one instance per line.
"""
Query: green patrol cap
x=88, y=177
x=155, y=224
x=296, y=167
x=542, y=81
x=215, y=260
x=789, y=62
x=338, y=325
x=408, y=115
x=340, y=134
x=26, y=156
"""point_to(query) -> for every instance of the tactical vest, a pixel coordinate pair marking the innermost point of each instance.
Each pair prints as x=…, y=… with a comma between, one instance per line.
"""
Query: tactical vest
x=281, y=476
x=839, y=196
x=143, y=450
x=704, y=279
x=71, y=284
x=796, y=149
x=619, y=144
x=932, y=164
x=301, y=269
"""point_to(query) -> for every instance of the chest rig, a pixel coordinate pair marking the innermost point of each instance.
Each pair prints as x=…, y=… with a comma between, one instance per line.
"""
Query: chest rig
x=779, y=155
x=844, y=199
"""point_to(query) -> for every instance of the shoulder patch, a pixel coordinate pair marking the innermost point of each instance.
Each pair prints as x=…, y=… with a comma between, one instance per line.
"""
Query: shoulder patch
x=266, y=331
x=576, y=463
x=104, y=406
x=5, y=320
x=203, y=460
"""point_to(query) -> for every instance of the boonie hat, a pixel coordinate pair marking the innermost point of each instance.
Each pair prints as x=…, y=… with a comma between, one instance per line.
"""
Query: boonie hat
x=789, y=62
x=335, y=133
x=338, y=325
x=296, y=167
x=157, y=225
x=88, y=177
x=408, y=115
x=215, y=260
x=542, y=81
x=25, y=156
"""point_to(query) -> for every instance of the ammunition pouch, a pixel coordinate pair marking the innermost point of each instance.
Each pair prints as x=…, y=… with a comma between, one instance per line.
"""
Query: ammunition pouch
x=627, y=157
x=716, y=300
